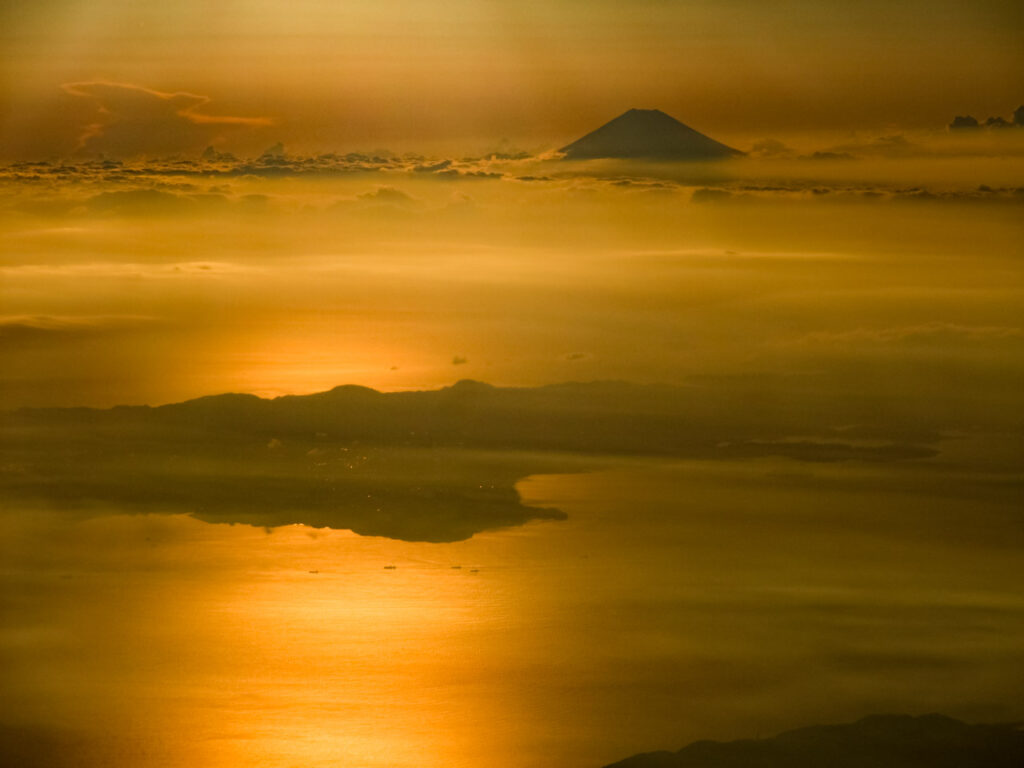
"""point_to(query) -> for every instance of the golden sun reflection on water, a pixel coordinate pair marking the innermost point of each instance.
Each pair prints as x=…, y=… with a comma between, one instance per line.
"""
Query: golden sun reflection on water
x=371, y=666
x=290, y=648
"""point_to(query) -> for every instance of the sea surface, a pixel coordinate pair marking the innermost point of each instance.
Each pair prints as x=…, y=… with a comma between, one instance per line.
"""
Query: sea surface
x=678, y=601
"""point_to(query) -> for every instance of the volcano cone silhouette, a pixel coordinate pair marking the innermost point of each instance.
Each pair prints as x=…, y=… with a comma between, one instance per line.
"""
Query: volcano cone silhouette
x=647, y=134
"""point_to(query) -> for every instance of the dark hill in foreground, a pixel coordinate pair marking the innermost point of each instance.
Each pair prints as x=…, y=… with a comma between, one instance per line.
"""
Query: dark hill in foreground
x=647, y=134
x=879, y=741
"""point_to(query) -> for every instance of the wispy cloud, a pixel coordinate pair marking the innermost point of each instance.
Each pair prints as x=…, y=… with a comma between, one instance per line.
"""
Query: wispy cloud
x=105, y=270
x=132, y=119
x=186, y=104
x=925, y=334
x=21, y=328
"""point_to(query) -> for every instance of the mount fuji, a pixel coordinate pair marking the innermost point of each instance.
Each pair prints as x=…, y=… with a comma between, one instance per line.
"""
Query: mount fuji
x=647, y=134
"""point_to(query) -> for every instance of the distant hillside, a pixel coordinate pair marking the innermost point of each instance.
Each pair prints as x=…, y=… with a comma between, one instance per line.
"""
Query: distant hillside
x=593, y=418
x=647, y=134
x=422, y=466
x=880, y=741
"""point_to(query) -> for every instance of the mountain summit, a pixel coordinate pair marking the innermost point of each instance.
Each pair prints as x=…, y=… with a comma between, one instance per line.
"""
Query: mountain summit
x=647, y=134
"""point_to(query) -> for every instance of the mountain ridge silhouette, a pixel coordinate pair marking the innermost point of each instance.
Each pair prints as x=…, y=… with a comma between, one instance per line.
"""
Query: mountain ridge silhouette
x=875, y=741
x=598, y=417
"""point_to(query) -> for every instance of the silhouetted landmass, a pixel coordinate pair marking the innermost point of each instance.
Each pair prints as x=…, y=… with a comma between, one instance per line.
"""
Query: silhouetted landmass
x=591, y=418
x=230, y=477
x=879, y=741
x=647, y=134
x=426, y=466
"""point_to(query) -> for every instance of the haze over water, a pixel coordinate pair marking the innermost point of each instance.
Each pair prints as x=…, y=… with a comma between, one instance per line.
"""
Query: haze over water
x=556, y=461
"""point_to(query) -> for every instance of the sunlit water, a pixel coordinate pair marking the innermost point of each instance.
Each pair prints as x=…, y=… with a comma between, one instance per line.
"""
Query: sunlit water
x=675, y=603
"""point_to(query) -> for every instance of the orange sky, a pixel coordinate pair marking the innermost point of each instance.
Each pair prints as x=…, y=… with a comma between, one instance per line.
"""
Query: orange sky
x=420, y=74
